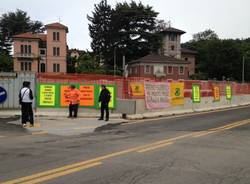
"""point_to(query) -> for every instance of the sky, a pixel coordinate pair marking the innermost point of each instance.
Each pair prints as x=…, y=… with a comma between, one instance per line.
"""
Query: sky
x=228, y=18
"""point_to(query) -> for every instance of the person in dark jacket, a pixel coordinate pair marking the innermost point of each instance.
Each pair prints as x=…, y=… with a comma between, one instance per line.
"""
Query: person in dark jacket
x=104, y=98
x=25, y=100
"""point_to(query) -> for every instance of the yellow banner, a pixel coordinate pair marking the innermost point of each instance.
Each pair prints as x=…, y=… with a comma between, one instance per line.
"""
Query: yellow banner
x=137, y=88
x=177, y=93
x=47, y=95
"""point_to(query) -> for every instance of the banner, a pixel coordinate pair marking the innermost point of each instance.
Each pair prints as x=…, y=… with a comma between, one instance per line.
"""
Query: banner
x=64, y=101
x=156, y=95
x=196, y=93
x=47, y=95
x=87, y=97
x=177, y=93
x=228, y=92
x=216, y=92
x=112, y=91
x=137, y=88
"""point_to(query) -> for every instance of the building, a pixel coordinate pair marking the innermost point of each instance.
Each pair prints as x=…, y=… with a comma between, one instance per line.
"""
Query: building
x=171, y=62
x=35, y=52
x=75, y=53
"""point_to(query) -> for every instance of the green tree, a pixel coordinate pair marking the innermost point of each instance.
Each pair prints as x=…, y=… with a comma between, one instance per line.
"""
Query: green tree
x=86, y=63
x=128, y=29
x=135, y=27
x=100, y=30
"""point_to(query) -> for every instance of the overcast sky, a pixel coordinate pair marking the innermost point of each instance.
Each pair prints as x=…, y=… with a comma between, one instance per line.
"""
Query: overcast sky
x=228, y=18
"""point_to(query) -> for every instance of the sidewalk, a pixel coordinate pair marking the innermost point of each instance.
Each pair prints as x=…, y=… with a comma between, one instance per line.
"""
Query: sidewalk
x=66, y=127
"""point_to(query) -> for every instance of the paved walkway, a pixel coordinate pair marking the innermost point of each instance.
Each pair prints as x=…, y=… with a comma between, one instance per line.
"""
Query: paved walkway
x=67, y=127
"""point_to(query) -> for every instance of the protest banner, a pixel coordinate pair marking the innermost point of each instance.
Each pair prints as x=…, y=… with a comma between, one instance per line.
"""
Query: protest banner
x=177, y=93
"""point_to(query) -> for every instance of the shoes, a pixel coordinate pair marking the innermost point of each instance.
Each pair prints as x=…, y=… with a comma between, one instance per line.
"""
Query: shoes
x=106, y=119
x=31, y=125
x=24, y=125
x=100, y=119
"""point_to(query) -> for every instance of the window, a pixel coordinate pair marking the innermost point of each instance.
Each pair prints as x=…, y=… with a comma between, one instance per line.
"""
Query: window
x=170, y=70
x=181, y=70
x=172, y=37
x=186, y=59
x=56, y=36
x=56, y=67
x=25, y=66
x=172, y=47
x=56, y=51
x=25, y=49
x=22, y=50
x=43, y=67
x=147, y=69
x=29, y=49
x=42, y=52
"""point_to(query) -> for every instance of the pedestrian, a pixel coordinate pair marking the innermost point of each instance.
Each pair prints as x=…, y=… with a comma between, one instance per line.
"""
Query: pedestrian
x=104, y=98
x=74, y=100
x=25, y=100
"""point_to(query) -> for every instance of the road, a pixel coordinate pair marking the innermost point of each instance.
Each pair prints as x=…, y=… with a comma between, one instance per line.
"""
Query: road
x=202, y=148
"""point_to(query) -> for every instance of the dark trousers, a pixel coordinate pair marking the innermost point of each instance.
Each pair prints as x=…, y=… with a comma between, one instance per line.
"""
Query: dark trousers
x=104, y=107
x=27, y=113
x=73, y=108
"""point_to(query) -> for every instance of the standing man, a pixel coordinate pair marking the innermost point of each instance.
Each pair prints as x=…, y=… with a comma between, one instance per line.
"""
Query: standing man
x=104, y=98
x=74, y=100
x=25, y=100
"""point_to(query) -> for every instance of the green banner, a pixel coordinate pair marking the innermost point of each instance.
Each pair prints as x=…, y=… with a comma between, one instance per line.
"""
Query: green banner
x=53, y=95
x=196, y=93
x=228, y=92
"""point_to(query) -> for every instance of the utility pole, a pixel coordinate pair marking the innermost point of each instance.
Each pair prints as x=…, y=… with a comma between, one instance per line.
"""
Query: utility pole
x=243, y=69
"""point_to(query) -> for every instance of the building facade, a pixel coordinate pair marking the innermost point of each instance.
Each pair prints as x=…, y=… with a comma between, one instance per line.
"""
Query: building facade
x=40, y=53
x=172, y=61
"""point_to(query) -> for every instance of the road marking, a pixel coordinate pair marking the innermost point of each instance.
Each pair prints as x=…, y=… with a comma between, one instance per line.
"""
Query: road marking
x=39, y=133
x=56, y=175
x=68, y=169
x=154, y=147
x=183, y=115
x=222, y=128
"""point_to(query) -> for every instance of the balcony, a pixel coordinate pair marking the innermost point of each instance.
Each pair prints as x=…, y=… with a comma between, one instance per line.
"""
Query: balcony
x=25, y=55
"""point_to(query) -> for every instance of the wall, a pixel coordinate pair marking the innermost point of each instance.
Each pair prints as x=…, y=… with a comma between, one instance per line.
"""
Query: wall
x=13, y=85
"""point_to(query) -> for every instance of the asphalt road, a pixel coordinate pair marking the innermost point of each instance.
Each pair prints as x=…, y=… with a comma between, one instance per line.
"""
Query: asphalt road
x=205, y=148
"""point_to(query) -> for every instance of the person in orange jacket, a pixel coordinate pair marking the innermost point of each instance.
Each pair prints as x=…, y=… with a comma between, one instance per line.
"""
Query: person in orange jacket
x=74, y=100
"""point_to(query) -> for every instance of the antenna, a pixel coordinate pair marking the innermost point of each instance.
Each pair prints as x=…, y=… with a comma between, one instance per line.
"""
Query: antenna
x=59, y=18
x=169, y=23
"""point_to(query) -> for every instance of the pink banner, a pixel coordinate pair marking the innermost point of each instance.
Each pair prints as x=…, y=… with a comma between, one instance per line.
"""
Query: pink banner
x=157, y=95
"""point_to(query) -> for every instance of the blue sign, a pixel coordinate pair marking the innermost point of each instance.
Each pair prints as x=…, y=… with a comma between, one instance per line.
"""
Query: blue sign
x=3, y=94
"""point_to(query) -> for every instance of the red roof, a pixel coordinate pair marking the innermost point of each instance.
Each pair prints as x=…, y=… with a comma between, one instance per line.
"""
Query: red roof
x=57, y=25
x=30, y=35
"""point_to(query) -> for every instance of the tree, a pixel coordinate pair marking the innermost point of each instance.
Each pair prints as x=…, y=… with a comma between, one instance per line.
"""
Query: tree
x=13, y=23
x=205, y=35
x=128, y=29
x=135, y=28
x=87, y=64
x=100, y=30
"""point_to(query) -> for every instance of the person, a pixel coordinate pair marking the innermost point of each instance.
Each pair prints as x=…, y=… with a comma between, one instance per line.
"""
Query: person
x=74, y=100
x=104, y=98
x=25, y=100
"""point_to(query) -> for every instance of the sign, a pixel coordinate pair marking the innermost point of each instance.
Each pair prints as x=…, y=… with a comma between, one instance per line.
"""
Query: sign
x=216, y=92
x=47, y=95
x=87, y=95
x=64, y=100
x=156, y=95
x=113, y=96
x=3, y=95
x=196, y=93
x=177, y=93
x=228, y=92
x=137, y=88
